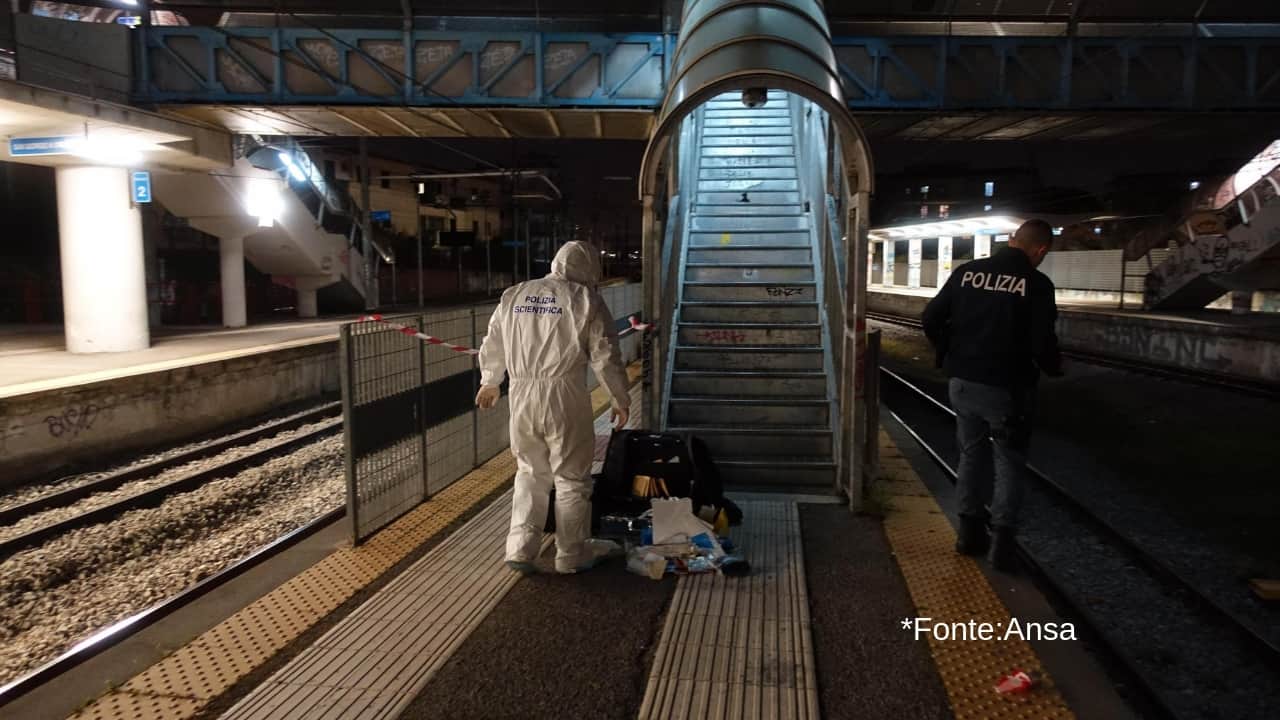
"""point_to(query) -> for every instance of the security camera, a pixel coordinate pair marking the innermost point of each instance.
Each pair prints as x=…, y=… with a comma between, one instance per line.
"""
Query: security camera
x=755, y=97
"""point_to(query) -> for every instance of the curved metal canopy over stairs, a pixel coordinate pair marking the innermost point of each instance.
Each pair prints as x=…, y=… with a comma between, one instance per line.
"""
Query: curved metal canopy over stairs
x=783, y=49
x=730, y=45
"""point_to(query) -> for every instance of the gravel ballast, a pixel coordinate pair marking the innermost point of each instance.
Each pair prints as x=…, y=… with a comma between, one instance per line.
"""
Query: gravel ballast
x=54, y=595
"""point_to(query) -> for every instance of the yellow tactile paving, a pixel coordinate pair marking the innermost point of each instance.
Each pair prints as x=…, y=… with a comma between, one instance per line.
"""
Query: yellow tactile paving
x=951, y=589
x=180, y=685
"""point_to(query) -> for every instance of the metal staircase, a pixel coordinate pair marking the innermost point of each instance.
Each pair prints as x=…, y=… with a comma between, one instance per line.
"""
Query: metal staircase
x=749, y=372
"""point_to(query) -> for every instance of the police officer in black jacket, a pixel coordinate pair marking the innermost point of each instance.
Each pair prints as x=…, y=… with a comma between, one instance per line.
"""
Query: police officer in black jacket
x=992, y=325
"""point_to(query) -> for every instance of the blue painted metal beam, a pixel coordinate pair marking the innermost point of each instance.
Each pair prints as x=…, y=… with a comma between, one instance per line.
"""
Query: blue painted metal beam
x=292, y=66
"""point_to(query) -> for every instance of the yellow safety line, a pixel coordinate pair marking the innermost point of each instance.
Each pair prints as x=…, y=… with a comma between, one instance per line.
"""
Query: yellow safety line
x=181, y=684
x=949, y=588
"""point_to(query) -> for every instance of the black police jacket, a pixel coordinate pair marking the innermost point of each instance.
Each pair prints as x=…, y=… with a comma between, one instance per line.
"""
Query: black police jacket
x=993, y=322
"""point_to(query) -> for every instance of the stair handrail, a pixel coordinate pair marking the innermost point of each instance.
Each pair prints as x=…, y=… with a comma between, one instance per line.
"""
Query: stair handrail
x=673, y=251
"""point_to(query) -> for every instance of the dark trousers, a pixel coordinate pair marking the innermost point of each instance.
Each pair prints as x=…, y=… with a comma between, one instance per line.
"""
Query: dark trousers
x=992, y=471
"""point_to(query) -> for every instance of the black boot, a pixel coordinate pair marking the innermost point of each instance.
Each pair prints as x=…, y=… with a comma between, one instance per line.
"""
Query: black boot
x=1003, y=555
x=972, y=538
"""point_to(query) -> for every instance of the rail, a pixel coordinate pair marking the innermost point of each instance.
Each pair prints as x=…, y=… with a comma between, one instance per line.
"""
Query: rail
x=1197, y=604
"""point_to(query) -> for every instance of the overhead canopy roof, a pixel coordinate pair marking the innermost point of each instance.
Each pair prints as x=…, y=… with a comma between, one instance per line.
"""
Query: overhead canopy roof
x=38, y=114
x=838, y=11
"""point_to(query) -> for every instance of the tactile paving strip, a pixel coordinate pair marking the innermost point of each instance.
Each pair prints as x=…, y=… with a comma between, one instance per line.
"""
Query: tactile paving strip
x=741, y=647
x=949, y=588
x=376, y=660
x=180, y=685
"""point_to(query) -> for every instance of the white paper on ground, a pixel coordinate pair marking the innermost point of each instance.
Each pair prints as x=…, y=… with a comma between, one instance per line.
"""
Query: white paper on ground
x=674, y=521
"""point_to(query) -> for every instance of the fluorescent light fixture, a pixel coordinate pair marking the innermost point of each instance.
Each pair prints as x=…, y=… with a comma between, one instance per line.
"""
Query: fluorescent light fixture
x=118, y=151
x=422, y=188
x=264, y=201
x=959, y=227
x=294, y=170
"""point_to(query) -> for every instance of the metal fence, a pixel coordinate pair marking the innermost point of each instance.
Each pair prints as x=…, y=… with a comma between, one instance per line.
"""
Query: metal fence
x=410, y=423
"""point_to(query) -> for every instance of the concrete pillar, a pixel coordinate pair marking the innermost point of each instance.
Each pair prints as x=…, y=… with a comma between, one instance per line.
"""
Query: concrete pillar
x=104, y=279
x=231, y=254
x=307, y=303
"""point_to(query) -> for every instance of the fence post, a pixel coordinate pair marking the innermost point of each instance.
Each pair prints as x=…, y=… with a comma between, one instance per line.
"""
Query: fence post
x=423, y=448
x=871, y=456
x=346, y=382
x=475, y=388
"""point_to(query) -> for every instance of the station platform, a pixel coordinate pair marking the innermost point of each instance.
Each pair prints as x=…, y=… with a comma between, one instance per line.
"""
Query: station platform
x=57, y=408
x=424, y=620
x=1212, y=342
x=33, y=358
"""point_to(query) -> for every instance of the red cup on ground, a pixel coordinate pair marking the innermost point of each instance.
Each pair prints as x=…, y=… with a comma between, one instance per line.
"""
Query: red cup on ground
x=1015, y=683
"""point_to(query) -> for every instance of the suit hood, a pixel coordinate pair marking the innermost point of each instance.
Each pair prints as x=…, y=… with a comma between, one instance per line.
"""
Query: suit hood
x=577, y=262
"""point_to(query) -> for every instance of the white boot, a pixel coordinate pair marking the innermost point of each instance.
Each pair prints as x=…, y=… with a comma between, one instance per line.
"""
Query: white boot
x=593, y=552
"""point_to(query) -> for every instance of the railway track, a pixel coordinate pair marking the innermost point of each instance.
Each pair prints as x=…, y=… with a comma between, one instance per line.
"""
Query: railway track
x=1248, y=387
x=923, y=415
x=323, y=424
x=116, y=633
x=152, y=496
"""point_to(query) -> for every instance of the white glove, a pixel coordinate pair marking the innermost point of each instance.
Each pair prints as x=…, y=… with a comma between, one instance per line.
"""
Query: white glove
x=488, y=396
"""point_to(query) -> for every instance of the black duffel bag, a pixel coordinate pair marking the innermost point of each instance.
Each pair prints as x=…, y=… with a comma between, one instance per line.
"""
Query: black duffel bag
x=680, y=460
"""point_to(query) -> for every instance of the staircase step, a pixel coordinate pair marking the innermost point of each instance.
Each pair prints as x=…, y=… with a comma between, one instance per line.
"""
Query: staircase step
x=743, y=255
x=758, y=444
x=783, y=122
x=748, y=272
x=750, y=292
x=755, y=334
x=725, y=110
x=703, y=223
x=747, y=412
x=749, y=209
x=799, y=238
x=710, y=357
x=756, y=198
x=761, y=140
x=747, y=312
x=780, y=130
x=740, y=179
x=784, y=171
x=744, y=155
x=789, y=474
x=780, y=161
x=808, y=385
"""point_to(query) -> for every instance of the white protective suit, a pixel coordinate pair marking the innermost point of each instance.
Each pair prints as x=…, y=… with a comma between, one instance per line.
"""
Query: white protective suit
x=543, y=334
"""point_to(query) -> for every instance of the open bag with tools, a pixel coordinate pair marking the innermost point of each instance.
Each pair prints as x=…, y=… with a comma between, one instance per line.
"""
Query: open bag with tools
x=641, y=466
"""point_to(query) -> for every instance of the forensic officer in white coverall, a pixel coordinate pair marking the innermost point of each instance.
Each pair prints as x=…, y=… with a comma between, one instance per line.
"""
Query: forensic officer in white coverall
x=543, y=335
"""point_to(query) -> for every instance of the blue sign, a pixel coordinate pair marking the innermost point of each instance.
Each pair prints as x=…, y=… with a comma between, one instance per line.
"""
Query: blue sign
x=513, y=243
x=142, y=187
x=380, y=216
x=36, y=146
x=130, y=20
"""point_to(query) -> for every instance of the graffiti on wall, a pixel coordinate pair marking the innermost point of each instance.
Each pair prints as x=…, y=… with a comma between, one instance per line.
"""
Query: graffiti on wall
x=73, y=420
x=1153, y=344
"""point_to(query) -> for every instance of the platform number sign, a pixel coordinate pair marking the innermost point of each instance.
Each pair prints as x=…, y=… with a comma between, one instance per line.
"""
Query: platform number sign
x=142, y=187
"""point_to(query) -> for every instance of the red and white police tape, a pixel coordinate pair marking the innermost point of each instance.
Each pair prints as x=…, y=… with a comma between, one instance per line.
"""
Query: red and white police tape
x=636, y=326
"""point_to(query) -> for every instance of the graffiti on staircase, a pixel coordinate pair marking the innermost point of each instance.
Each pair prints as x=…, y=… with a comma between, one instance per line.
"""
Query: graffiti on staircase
x=1213, y=244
